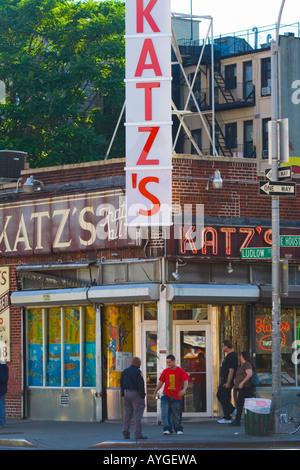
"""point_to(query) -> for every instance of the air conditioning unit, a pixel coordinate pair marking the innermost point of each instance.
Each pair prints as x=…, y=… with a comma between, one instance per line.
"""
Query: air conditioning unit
x=266, y=90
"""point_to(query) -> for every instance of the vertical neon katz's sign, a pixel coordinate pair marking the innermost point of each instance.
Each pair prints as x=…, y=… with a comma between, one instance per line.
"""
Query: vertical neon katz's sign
x=148, y=113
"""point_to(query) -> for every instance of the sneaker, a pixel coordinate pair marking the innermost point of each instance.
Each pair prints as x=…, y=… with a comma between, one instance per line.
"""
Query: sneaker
x=234, y=423
x=179, y=433
x=167, y=433
x=224, y=421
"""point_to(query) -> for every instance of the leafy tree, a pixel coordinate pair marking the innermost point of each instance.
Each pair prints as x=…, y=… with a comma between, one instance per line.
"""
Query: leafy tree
x=62, y=62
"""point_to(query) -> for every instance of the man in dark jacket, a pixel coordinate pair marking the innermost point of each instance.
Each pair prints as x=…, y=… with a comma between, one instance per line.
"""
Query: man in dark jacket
x=133, y=390
x=3, y=391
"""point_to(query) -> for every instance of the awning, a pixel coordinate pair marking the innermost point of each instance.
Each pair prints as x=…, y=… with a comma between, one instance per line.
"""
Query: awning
x=124, y=293
x=80, y=296
x=292, y=300
x=212, y=293
x=49, y=297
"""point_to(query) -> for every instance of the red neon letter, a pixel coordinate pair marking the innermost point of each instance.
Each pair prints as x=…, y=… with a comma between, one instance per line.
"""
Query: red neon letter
x=148, y=47
x=228, y=232
x=249, y=237
x=213, y=242
x=141, y=13
x=143, y=157
x=186, y=237
x=148, y=98
x=153, y=199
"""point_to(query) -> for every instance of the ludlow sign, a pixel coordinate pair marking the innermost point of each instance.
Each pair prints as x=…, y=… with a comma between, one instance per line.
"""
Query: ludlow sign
x=148, y=113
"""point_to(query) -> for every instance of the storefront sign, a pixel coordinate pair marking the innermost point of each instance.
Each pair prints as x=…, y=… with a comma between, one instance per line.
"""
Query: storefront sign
x=236, y=242
x=88, y=221
x=4, y=314
x=148, y=113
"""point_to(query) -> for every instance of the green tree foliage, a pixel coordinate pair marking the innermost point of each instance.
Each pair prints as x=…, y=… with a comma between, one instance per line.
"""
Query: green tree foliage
x=62, y=62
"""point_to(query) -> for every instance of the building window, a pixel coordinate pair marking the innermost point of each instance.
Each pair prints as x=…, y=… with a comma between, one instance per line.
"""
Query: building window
x=266, y=76
x=265, y=138
x=233, y=326
x=230, y=76
x=249, y=150
x=231, y=135
x=61, y=347
x=117, y=341
x=248, y=84
x=290, y=327
x=196, y=134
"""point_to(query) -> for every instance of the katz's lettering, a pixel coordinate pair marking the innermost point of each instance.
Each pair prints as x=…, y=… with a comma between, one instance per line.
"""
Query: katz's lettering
x=222, y=241
x=148, y=71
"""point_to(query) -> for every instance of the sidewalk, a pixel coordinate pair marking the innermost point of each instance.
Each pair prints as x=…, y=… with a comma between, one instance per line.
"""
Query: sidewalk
x=203, y=434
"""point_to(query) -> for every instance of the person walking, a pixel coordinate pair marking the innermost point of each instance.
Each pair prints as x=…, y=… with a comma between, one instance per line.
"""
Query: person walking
x=3, y=391
x=243, y=385
x=227, y=373
x=175, y=381
x=133, y=390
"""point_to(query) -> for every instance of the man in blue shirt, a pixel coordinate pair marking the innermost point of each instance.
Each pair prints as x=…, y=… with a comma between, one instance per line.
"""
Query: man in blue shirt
x=133, y=390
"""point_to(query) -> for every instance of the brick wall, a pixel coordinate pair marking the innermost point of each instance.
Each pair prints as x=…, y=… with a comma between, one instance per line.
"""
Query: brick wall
x=238, y=198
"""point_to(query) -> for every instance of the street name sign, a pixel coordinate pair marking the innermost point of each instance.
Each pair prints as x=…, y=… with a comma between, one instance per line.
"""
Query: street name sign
x=277, y=188
x=284, y=173
x=290, y=240
x=256, y=253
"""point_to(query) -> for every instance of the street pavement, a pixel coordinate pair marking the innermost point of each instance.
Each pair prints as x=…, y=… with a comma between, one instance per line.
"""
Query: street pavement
x=106, y=436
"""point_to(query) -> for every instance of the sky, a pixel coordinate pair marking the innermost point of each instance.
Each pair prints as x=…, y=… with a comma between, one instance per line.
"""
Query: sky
x=237, y=15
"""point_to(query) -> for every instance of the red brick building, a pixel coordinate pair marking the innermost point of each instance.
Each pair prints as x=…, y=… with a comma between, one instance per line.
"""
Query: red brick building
x=85, y=297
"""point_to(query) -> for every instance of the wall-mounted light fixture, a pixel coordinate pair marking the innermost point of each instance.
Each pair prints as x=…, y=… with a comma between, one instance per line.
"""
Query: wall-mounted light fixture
x=229, y=268
x=30, y=184
x=175, y=274
x=216, y=181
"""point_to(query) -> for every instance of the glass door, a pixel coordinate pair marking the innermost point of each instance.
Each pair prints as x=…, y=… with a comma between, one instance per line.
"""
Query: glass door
x=193, y=355
x=149, y=365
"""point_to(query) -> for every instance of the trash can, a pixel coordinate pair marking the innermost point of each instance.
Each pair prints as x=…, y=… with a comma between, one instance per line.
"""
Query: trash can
x=114, y=403
x=257, y=416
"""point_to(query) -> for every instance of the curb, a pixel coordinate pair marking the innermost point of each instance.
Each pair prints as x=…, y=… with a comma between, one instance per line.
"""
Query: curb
x=6, y=442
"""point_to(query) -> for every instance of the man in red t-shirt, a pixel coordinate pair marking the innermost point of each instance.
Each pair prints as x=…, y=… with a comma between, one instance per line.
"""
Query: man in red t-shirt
x=175, y=381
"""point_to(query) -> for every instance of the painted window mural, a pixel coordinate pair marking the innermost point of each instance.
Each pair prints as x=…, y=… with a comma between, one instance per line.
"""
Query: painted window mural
x=118, y=342
x=61, y=347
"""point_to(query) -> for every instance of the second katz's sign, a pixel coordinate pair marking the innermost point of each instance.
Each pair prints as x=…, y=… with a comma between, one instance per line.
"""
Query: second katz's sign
x=148, y=113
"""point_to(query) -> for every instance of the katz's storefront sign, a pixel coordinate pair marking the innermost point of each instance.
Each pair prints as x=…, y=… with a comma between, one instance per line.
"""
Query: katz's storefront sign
x=148, y=113
x=88, y=221
x=230, y=242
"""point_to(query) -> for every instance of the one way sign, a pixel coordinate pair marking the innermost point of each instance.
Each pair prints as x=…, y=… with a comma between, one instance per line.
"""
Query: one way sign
x=284, y=172
x=277, y=188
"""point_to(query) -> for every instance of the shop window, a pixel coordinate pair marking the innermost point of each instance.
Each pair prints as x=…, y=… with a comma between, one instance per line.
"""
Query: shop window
x=35, y=347
x=53, y=347
x=118, y=342
x=61, y=347
x=290, y=331
x=233, y=326
x=190, y=312
x=150, y=312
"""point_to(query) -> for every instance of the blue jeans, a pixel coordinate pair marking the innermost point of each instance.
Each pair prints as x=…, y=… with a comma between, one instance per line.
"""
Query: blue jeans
x=171, y=413
x=2, y=410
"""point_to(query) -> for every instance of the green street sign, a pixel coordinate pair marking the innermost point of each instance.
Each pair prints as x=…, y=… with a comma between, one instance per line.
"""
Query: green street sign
x=256, y=253
x=290, y=240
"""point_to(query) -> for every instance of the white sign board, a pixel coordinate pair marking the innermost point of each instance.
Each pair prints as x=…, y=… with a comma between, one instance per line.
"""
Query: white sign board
x=148, y=113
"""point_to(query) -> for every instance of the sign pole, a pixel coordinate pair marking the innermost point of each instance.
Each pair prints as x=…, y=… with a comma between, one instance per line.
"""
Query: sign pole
x=276, y=302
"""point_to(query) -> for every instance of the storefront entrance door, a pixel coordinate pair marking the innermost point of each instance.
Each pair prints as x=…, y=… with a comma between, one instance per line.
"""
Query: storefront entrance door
x=192, y=352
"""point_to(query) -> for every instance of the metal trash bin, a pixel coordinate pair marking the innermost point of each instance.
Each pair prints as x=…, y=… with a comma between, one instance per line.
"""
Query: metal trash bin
x=114, y=403
x=257, y=416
